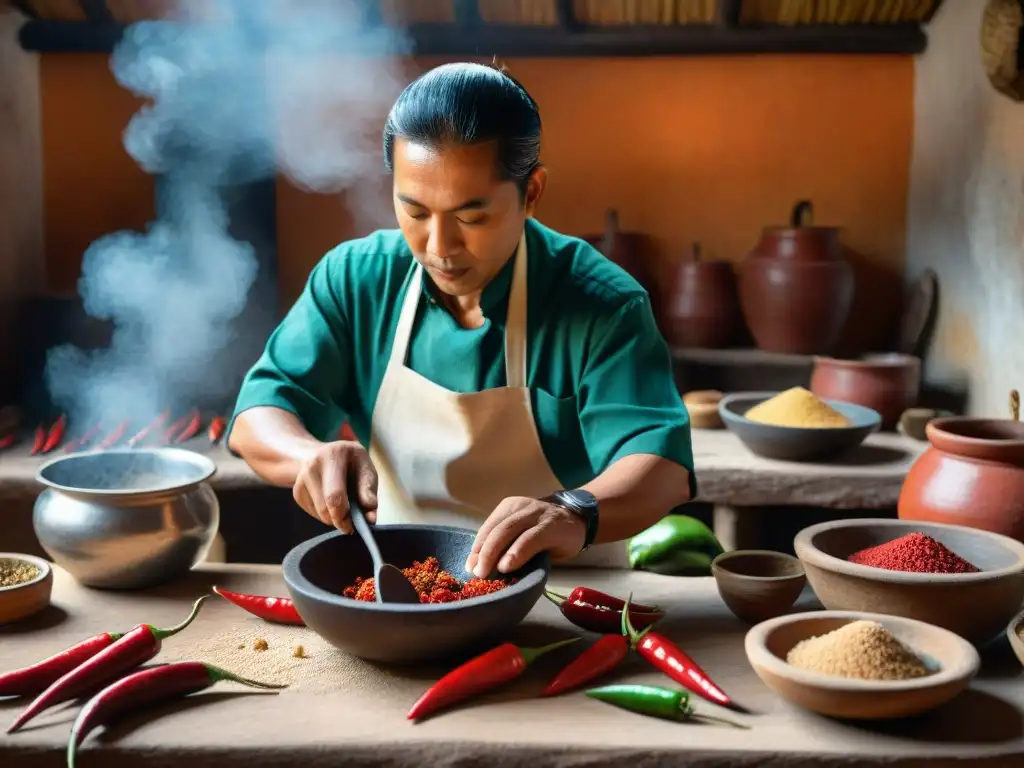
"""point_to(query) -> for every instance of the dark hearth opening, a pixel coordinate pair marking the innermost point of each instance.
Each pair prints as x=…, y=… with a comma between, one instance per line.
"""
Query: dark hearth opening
x=49, y=321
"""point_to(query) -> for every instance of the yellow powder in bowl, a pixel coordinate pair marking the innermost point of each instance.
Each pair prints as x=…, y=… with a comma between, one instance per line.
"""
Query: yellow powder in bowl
x=864, y=650
x=797, y=407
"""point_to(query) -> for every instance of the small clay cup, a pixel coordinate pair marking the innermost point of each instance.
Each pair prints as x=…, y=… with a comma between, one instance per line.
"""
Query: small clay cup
x=1015, y=634
x=758, y=584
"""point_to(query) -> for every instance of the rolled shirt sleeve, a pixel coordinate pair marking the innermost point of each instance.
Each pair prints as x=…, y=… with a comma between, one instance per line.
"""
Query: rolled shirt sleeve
x=305, y=366
x=628, y=401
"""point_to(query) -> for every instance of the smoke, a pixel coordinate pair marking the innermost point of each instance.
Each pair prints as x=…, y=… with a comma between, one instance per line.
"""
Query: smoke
x=236, y=91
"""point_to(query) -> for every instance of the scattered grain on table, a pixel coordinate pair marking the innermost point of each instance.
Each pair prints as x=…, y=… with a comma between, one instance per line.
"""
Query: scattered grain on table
x=233, y=647
x=299, y=652
x=15, y=572
x=260, y=644
x=864, y=650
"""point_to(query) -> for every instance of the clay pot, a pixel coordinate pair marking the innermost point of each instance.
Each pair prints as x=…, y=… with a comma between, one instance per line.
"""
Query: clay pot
x=796, y=287
x=887, y=383
x=971, y=475
x=703, y=308
x=630, y=250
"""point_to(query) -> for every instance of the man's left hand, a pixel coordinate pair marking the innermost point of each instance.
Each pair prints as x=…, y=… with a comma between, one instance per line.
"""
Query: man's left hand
x=518, y=529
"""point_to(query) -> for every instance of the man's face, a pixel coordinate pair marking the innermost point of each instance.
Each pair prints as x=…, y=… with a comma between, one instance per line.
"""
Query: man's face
x=460, y=220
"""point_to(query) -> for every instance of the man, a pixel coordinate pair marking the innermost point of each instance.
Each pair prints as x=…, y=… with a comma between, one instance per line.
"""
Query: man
x=503, y=377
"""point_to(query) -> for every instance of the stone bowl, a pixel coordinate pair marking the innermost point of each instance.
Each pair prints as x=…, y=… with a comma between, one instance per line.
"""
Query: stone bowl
x=953, y=663
x=317, y=571
x=20, y=601
x=796, y=443
x=758, y=584
x=976, y=606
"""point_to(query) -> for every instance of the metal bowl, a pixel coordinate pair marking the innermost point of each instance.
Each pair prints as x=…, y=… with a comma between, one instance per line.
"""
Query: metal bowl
x=317, y=572
x=796, y=443
x=127, y=519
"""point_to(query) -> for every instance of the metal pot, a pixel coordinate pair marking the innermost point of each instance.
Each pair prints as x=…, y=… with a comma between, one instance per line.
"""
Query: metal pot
x=127, y=519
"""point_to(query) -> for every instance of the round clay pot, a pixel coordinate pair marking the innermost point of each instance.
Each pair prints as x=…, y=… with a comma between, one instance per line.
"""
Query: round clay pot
x=703, y=308
x=630, y=250
x=971, y=475
x=888, y=383
x=796, y=287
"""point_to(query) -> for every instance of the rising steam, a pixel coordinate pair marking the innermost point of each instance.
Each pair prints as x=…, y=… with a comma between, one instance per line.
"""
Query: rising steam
x=235, y=94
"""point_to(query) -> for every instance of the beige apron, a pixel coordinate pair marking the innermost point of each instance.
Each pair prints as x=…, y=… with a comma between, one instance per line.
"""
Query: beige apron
x=447, y=458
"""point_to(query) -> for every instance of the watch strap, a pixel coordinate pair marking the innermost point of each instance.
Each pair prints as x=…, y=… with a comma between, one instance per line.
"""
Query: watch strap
x=586, y=512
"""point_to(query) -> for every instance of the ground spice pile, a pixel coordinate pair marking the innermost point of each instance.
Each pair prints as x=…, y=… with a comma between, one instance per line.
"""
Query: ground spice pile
x=914, y=552
x=797, y=407
x=433, y=583
x=15, y=572
x=861, y=649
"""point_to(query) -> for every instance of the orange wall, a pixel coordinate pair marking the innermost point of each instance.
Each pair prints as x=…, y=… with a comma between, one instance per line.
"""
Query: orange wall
x=702, y=148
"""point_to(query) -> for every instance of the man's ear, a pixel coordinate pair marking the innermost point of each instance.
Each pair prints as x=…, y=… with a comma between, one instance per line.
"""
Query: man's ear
x=535, y=189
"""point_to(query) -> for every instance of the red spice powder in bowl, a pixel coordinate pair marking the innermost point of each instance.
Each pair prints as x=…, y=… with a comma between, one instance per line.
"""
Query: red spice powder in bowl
x=913, y=552
x=964, y=579
x=432, y=583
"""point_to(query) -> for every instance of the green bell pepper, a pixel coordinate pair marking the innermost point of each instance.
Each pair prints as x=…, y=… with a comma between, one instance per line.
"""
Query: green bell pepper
x=646, y=700
x=676, y=545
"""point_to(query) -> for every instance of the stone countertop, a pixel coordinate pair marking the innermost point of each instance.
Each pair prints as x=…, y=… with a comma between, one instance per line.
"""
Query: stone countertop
x=727, y=473
x=340, y=708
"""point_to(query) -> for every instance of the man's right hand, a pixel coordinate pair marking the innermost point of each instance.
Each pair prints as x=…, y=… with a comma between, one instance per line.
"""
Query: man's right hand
x=324, y=480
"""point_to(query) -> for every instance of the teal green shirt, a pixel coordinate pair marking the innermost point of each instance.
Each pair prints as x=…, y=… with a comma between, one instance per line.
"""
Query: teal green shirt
x=599, y=371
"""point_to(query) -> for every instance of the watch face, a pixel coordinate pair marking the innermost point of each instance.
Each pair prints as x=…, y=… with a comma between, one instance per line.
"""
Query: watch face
x=584, y=499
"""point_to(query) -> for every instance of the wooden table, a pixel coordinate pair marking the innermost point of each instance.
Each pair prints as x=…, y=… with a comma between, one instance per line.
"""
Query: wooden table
x=342, y=711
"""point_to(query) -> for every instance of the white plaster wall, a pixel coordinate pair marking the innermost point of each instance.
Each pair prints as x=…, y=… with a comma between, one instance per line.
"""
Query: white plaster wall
x=966, y=211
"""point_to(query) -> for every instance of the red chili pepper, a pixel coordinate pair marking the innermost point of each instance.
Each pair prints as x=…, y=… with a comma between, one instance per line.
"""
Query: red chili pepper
x=589, y=609
x=114, y=437
x=148, y=686
x=216, y=430
x=489, y=670
x=81, y=442
x=8, y=440
x=191, y=429
x=277, y=609
x=600, y=658
x=175, y=429
x=136, y=647
x=667, y=657
x=149, y=429
x=28, y=681
x=56, y=434
x=40, y=440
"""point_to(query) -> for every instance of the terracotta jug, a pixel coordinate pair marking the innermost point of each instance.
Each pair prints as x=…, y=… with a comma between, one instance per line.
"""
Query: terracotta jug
x=972, y=474
x=703, y=308
x=795, y=287
x=630, y=250
x=888, y=383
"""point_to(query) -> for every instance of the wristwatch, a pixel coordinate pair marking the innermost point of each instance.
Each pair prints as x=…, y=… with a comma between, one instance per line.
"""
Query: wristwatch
x=584, y=505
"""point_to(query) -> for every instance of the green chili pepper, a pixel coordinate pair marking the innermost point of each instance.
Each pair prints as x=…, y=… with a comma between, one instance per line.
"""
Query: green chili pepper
x=646, y=700
x=676, y=545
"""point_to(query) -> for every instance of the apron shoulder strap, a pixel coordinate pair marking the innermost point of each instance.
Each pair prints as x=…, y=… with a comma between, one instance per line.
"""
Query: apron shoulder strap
x=403, y=330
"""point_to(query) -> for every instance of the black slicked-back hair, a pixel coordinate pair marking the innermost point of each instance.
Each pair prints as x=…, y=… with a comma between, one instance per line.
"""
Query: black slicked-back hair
x=468, y=103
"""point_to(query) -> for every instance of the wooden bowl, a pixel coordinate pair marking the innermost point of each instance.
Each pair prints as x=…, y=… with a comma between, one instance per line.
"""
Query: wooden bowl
x=23, y=600
x=796, y=443
x=758, y=584
x=954, y=660
x=702, y=405
x=976, y=606
x=1015, y=634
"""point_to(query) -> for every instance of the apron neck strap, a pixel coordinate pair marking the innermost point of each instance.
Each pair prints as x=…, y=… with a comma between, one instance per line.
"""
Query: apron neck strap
x=515, y=323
